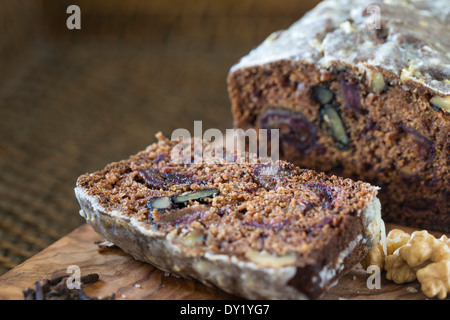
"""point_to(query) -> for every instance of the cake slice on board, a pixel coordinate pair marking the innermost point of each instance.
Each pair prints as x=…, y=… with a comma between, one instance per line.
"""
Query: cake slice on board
x=259, y=231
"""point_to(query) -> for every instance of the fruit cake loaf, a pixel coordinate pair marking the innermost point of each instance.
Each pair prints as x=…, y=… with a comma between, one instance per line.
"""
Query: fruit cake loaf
x=253, y=230
x=360, y=100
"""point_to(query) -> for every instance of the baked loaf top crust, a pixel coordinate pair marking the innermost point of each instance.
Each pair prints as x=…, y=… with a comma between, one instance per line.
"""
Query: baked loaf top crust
x=412, y=44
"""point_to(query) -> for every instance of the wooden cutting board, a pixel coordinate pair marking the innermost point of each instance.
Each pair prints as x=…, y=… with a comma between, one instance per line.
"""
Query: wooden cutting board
x=131, y=279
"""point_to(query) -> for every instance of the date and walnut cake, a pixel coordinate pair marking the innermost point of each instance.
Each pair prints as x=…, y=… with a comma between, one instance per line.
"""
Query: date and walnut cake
x=360, y=89
x=252, y=229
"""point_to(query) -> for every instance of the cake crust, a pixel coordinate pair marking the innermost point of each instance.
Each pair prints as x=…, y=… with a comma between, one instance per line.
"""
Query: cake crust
x=410, y=43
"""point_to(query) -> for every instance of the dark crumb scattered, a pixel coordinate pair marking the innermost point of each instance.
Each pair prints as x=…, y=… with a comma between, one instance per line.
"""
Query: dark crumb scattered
x=57, y=289
x=105, y=245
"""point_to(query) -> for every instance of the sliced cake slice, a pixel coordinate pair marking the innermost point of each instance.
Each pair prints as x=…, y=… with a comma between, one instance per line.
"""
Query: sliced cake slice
x=254, y=230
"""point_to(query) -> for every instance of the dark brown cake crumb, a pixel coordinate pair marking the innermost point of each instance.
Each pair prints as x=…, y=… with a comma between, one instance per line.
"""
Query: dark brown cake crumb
x=233, y=206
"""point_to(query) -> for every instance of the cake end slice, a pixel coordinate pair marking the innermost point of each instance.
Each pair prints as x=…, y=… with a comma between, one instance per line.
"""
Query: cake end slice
x=360, y=102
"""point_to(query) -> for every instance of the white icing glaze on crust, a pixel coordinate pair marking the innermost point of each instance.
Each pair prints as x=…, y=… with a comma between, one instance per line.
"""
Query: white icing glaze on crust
x=229, y=273
x=413, y=43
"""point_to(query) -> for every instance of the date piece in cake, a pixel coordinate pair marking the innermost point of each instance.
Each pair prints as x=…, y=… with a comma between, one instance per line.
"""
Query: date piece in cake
x=360, y=89
x=245, y=228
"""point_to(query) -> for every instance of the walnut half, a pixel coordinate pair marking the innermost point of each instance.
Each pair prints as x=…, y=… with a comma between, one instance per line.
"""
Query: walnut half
x=377, y=256
x=423, y=257
x=435, y=279
x=418, y=256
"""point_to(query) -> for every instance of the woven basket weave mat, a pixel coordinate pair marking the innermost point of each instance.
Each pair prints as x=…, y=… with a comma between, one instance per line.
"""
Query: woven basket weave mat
x=72, y=101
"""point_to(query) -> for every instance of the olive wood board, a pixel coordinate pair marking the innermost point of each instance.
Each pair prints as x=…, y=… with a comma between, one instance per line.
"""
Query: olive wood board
x=128, y=278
